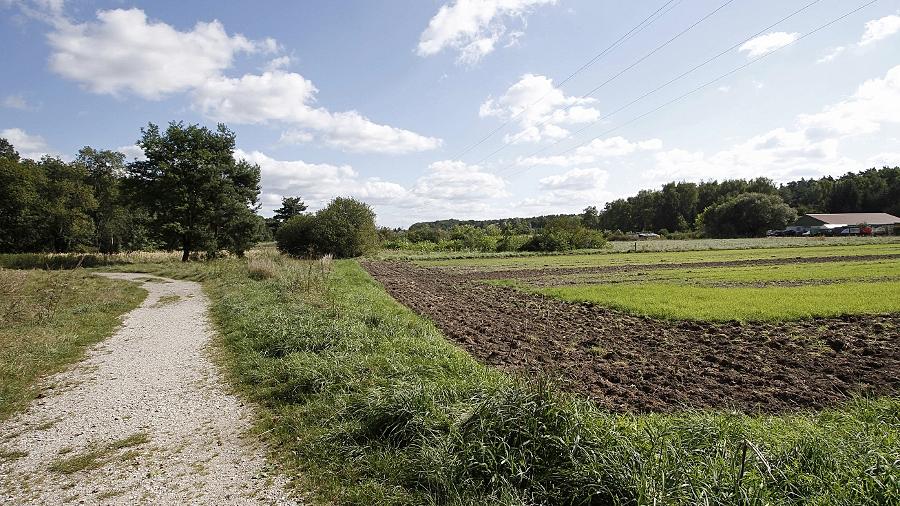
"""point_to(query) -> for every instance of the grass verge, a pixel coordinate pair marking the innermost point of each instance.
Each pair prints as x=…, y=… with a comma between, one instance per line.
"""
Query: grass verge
x=368, y=404
x=47, y=320
x=99, y=457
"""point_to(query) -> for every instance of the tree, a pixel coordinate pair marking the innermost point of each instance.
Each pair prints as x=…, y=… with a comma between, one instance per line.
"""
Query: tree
x=18, y=200
x=64, y=206
x=345, y=228
x=7, y=151
x=746, y=215
x=290, y=207
x=296, y=236
x=199, y=196
x=590, y=217
x=105, y=171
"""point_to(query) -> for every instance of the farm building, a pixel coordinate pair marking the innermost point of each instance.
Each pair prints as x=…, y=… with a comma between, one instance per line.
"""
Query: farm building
x=881, y=223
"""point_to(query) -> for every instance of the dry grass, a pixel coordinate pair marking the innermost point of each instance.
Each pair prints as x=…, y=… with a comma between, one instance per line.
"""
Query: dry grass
x=47, y=319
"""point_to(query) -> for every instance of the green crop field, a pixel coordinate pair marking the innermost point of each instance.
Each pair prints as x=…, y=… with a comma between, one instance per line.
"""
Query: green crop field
x=758, y=293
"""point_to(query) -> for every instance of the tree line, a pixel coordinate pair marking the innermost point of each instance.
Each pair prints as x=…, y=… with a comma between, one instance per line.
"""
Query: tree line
x=188, y=193
x=727, y=208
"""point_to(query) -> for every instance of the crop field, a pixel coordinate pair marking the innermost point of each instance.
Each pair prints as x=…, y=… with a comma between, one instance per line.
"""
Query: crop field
x=755, y=329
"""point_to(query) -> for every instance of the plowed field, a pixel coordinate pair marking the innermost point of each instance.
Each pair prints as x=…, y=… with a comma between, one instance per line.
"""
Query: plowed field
x=639, y=364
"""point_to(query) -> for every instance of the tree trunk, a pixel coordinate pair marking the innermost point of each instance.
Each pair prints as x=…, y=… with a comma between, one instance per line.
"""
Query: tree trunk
x=187, y=249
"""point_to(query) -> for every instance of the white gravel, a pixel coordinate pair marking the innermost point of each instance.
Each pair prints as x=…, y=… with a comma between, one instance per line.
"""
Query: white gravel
x=154, y=376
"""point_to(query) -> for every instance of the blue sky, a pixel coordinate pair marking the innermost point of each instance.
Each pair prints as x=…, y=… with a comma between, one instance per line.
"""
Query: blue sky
x=380, y=100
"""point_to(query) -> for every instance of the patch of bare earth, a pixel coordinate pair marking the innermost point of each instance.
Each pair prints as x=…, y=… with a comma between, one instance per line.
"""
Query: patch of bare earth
x=145, y=419
x=638, y=364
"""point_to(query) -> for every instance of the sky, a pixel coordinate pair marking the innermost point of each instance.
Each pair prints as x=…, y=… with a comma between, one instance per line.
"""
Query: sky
x=468, y=109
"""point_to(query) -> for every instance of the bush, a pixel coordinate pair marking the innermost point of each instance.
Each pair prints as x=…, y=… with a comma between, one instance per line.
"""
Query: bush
x=564, y=234
x=296, y=236
x=746, y=215
x=345, y=228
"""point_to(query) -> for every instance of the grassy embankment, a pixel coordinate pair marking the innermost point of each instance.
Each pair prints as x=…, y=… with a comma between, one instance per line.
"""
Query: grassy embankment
x=368, y=404
x=764, y=293
x=47, y=319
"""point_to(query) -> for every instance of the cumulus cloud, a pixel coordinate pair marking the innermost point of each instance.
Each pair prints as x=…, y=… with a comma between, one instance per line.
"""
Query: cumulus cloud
x=123, y=51
x=809, y=148
x=28, y=145
x=455, y=181
x=879, y=29
x=540, y=109
x=594, y=151
x=570, y=191
x=763, y=44
x=285, y=97
x=475, y=27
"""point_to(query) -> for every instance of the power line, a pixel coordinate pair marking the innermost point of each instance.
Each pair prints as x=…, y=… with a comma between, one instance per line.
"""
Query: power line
x=614, y=77
x=701, y=87
x=621, y=40
x=674, y=79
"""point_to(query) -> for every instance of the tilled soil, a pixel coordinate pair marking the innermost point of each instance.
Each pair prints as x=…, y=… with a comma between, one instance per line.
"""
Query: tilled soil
x=639, y=364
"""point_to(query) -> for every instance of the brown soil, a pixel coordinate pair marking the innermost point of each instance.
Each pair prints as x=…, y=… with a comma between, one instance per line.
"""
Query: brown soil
x=639, y=364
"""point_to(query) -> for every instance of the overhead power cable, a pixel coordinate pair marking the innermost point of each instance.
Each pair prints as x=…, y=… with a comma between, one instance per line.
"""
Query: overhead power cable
x=698, y=88
x=613, y=78
x=621, y=40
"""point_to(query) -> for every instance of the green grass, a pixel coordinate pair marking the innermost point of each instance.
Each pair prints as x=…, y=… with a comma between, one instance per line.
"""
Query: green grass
x=771, y=303
x=655, y=257
x=47, y=320
x=367, y=403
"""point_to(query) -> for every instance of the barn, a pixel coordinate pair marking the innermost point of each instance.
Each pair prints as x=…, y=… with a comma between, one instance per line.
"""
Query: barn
x=844, y=223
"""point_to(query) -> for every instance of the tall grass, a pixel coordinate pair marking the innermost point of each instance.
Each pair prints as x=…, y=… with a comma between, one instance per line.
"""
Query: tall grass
x=369, y=404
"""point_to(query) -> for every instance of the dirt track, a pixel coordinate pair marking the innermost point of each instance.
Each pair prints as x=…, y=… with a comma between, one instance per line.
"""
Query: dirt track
x=638, y=364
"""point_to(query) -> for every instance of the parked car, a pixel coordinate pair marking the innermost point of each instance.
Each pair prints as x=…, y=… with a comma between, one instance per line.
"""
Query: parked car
x=850, y=231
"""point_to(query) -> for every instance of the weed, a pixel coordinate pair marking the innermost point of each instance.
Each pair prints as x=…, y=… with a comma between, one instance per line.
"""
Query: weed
x=99, y=457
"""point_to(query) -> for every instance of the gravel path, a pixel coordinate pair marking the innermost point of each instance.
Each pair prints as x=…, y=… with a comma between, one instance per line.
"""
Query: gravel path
x=144, y=419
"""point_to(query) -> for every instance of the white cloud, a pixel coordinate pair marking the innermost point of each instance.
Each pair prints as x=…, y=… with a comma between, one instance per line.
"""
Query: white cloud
x=875, y=102
x=884, y=160
x=125, y=52
x=455, y=181
x=278, y=63
x=540, y=109
x=879, y=29
x=612, y=147
x=809, y=148
x=474, y=27
x=763, y=44
x=28, y=145
x=834, y=53
x=132, y=152
x=570, y=191
x=285, y=97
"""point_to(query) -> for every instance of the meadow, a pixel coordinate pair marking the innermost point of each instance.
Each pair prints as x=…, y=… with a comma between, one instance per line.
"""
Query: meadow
x=366, y=401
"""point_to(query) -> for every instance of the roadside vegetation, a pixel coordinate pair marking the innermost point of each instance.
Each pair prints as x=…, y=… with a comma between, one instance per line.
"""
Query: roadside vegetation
x=47, y=320
x=367, y=403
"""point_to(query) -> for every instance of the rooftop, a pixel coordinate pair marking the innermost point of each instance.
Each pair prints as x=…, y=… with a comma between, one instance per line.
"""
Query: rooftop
x=856, y=218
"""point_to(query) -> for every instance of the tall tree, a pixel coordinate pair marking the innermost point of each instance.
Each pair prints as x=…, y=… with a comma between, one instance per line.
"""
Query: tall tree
x=105, y=172
x=290, y=207
x=200, y=197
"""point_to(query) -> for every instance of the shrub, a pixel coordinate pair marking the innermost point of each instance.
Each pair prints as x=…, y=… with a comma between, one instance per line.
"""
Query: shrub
x=296, y=235
x=345, y=228
x=564, y=234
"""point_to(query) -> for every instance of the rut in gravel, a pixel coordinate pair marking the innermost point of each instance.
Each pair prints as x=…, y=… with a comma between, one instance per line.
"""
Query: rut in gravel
x=144, y=419
x=639, y=364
